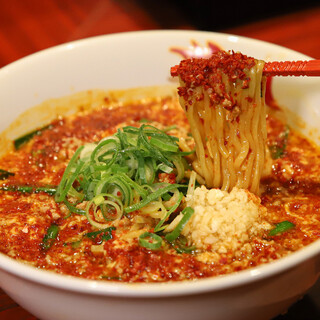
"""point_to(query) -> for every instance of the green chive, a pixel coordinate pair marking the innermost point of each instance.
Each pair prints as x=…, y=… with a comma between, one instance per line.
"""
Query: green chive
x=151, y=197
x=69, y=177
x=19, y=142
x=163, y=145
x=170, y=128
x=75, y=244
x=106, y=234
x=29, y=189
x=73, y=209
x=187, y=213
x=50, y=237
x=281, y=227
x=125, y=165
x=180, y=245
x=150, y=241
x=159, y=227
x=143, y=120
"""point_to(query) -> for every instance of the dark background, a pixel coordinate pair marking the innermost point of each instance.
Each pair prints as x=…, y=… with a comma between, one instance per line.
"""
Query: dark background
x=308, y=308
x=213, y=15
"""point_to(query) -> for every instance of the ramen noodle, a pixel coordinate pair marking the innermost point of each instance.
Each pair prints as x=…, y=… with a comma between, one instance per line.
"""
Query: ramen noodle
x=223, y=97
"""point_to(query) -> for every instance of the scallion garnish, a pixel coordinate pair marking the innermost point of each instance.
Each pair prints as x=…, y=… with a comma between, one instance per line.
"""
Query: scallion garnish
x=186, y=215
x=281, y=227
x=121, y=171
x=151, y=197
x=144, y=120
x=159, y=226
x=73, y=209
x=106, y=234
x=164, y=145
x=150, y=241
x=181, y=245
x=69, y=176
x=170, y=128
x=19, y=142
x=29, y=189
x=50, y=237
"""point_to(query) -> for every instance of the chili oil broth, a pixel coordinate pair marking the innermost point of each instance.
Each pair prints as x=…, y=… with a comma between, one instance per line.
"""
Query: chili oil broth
x=290, y=193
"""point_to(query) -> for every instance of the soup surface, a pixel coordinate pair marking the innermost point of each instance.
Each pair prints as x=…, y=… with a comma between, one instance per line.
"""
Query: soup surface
x=289, y=192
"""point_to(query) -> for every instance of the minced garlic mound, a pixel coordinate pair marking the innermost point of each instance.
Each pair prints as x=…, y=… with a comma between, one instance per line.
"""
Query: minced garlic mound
x=222, y=221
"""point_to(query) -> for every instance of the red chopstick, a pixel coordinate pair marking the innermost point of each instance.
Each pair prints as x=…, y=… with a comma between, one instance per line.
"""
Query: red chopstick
x=292, y=68
x=284, y=68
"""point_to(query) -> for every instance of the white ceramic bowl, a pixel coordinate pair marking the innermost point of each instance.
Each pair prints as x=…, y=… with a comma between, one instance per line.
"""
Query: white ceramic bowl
x=144, y=59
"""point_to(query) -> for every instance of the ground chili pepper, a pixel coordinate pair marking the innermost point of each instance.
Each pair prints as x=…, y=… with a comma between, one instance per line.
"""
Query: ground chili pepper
x=208, y=73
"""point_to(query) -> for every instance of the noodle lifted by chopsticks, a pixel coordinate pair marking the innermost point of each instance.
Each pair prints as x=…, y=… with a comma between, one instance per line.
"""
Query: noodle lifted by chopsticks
x=223, y=98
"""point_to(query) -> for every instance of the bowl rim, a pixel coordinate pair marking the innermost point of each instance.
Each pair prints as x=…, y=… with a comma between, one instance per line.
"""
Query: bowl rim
x=151, y=290
x=86, y=41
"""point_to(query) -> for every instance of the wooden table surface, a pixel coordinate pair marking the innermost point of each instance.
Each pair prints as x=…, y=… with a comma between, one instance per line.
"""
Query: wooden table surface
x=27, y=26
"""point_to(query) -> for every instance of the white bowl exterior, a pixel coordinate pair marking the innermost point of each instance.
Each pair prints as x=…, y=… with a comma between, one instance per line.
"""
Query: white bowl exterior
x=133, y=60
x=259, y=300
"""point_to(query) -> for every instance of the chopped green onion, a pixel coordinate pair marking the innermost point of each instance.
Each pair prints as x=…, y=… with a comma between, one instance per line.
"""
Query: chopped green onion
x=75, y=194
x=19, y=142
x=23, y=189
x=141, y=172
x=150, y=241
x=165, y=168
x=151, y=197
x=106, y=234
x=73, y=209
x=75, y=244
x=177, y=161
x=125, y=165
x=145, y=142
x=187, y=213
x=143, y=120
x=50, y=237
x=180, y=245
x=150, y=169
x=166, y=197
x=29, y=189
x=281, y=227
x=99, y=199
x=105, y=149
x=70, y=174
x=103, y=207
x=170, y=128
x=159, y=227
x=165, y=146
x=49, y=190
x=5, y=174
